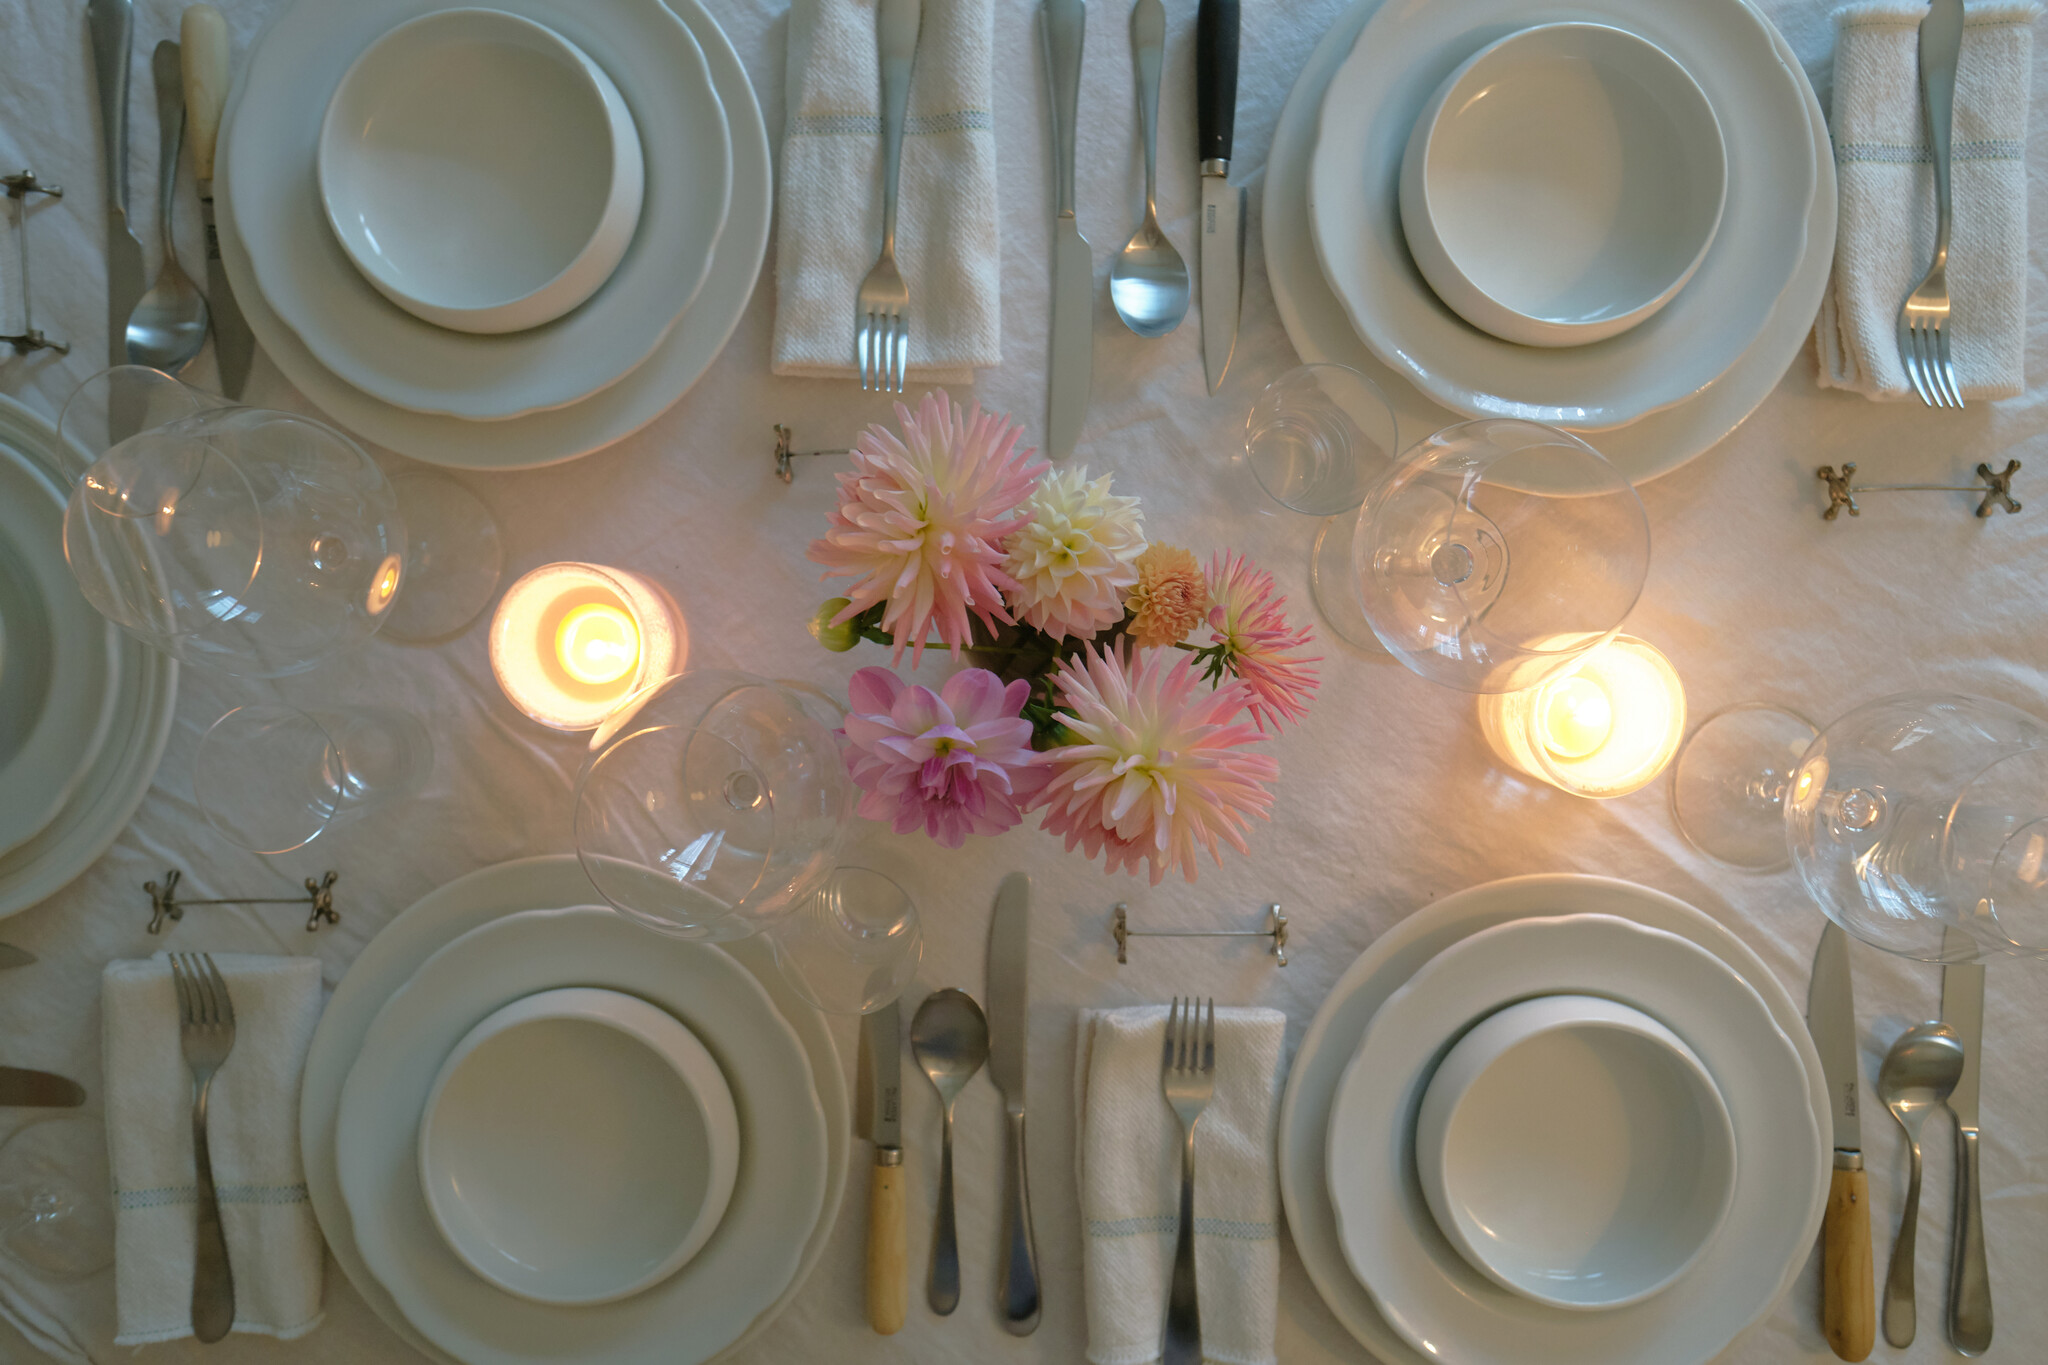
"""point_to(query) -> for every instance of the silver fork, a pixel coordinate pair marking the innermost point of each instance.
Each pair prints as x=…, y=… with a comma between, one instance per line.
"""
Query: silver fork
x=1923, y=321
x=206, y=1034
x=881, y=325
x=1187, y=1075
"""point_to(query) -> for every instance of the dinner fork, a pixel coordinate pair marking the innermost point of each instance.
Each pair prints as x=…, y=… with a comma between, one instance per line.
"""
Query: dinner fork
x=206, y=1034
x=881, y=323
x=1923, y=321
x=1187, y=1075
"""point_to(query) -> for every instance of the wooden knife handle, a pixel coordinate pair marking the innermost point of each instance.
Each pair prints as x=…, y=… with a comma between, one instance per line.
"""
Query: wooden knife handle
x=1848, y=1314
x=203, y=43
x=888, y=1280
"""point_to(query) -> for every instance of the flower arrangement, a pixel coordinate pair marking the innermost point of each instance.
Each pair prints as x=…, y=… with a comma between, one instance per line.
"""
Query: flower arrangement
x=1118, y=689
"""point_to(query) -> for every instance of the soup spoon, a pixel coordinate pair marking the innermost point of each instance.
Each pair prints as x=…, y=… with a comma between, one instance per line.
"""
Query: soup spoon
x=1917, y=1077
x=1148, y=280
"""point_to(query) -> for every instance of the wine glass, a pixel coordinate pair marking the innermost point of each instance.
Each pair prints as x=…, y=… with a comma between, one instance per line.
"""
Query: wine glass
x=454, y=558
x=272, y=778
x=1497, y=552
x=55, y=1215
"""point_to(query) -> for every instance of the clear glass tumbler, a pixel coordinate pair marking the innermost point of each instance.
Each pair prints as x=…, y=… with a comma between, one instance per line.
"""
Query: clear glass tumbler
x=853, y=945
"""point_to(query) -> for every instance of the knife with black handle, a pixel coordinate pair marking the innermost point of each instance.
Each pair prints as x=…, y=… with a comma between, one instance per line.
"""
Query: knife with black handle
x=1223, y=205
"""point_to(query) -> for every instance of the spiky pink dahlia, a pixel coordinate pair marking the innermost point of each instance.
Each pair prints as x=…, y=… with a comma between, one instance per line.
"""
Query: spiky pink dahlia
x=957, y=761
x=1158, y=764
x=1248, y=619
x=921, y=521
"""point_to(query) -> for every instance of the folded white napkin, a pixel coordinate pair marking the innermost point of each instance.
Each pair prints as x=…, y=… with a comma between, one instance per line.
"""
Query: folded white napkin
x=274, y=1245
x=831, y=201
x=1886, y=237
x=1127, y=1165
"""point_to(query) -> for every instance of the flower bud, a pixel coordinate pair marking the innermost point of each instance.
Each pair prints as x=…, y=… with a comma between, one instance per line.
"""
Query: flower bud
x=837, y=638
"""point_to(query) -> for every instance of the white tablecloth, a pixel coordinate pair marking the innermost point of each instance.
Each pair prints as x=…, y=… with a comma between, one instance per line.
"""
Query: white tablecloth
x=1388, y=796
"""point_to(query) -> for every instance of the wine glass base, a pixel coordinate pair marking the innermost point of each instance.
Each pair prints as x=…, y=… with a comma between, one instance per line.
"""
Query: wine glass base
x=1330, y=582
x=454, y=558
x=54, y=1210
x=1728, y=784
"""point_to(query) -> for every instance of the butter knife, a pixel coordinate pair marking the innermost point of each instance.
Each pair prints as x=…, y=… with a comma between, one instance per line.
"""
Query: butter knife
x=23, y=1089
x=203, y=34
x=1223, y=205
x=1063, y=24
x=111, y=24
x=1009, y=1019
x=1969, y=1280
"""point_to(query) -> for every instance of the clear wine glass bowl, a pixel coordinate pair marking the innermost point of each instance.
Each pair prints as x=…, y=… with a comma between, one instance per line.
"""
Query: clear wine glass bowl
x=1476, y=573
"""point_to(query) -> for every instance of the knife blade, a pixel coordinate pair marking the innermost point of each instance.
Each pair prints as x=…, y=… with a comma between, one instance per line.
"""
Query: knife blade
x=878, y=1117
x=11, y=956
x=1009, y=1015
x=203, y=34
x=23, y=1089
x=1223, y=205
x=1848, y=1287
x=1062, y=26
x=1969, y=1280
x=111, y=25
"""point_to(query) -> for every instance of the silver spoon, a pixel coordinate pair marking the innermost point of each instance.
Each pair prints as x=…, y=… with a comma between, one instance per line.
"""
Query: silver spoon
x=1917, y=1076
x=949, y=1038
x=1148, y=280
x=168, y=325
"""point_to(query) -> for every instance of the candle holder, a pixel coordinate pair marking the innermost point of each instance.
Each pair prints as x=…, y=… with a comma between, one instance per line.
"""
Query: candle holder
x=1605, y=726
x=570, y=641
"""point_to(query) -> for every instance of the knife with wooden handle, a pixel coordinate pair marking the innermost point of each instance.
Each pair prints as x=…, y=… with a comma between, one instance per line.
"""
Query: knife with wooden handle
x=203, y=39
x=1848, y=1277
x=878, y=1117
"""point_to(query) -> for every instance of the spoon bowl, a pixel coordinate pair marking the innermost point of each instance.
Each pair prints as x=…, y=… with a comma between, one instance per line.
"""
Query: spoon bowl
x=167, y=326
x=949, y=1038
x=1149, y=283
x=1917, y=1076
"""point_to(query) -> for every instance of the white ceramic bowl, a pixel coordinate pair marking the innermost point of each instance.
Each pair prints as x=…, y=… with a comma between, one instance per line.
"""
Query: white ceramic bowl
x=578, y=1146
x=1575, y=1151
x=1563, y=184
x=480, y=170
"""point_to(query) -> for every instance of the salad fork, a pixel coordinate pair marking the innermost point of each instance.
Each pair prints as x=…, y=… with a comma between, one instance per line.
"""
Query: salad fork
x=206, y=1035
x=1923, y=320
x=881, y=325
x=1187, y=1076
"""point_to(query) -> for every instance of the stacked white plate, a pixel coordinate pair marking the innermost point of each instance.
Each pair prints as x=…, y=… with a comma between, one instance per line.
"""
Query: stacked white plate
x=1348, y=1172
x=459, y=956
x=516, y=399
x=1653, y=396
x=84, y=709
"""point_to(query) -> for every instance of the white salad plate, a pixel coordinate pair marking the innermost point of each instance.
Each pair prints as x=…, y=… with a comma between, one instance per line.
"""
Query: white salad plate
x=307, y=279
x=388, y=962
x=1403, y=53
x=1389, y=963
x=1322, y=334
x=57, y=670
x=1426, y=1289
x=143, y=685
x=541, y=438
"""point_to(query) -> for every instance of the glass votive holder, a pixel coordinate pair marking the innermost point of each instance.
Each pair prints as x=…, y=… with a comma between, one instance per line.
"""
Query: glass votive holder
x=1605, y=726
x=571, y=641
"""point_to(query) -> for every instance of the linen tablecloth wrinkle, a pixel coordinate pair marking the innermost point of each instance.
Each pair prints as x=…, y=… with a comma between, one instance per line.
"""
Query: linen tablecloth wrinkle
x=947, y=245
x=1886, y=170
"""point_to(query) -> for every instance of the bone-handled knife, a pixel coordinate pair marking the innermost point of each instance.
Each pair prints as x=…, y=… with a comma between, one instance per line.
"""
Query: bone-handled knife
x=1848, y=1277
x=878, y=1117
x=203, y=37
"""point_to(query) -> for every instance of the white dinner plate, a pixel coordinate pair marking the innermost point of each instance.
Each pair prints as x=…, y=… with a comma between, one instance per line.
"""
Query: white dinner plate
x=388, y=961
x=1394, y=957
x=613, y=413
x=57, y=670
x=1406, y=49
x=143, y=688
x=1321, y=332
x=776, y=1201
x=1426, y=1289
x=372, y=343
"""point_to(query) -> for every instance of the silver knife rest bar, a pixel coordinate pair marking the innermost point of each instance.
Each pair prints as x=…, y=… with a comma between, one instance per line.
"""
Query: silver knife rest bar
x=1996, y=488
x=19, y=187
x=165, y=905
x=1120, y=929
x=785, y=458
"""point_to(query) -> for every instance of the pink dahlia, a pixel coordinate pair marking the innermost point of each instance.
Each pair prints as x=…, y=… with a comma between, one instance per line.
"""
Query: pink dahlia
x=921, y=522
x=1249, y=630
x=957, y=761
x=1158, y=764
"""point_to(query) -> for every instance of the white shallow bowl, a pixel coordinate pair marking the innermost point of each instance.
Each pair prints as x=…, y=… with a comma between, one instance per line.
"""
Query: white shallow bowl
x=1563, y=184
x=480, y=170
x=578, y=1146
x=1576, y=1151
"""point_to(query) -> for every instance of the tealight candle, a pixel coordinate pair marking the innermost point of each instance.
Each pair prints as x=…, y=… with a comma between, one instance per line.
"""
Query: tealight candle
x=569, y=642
x=1604, y=727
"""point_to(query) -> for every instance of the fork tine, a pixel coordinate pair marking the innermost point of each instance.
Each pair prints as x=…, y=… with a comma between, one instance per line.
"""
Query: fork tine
x=1948, y=369
x=1909, y=347
x=902, y=349
x=202, y=990
x=1209, y=1040
x=862, y=332
x=183, y=988
x=225, y=1008
x=1172, y=1022
x=1188, y=1016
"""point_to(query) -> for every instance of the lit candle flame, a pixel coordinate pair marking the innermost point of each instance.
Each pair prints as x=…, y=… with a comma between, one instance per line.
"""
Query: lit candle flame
x=597, y=643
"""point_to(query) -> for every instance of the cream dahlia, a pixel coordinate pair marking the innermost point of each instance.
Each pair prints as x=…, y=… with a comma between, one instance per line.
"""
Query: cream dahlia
x=921, y=522
x=1157, y=764
x=1071, y=558
x=1251, y=638
x=1169, y=599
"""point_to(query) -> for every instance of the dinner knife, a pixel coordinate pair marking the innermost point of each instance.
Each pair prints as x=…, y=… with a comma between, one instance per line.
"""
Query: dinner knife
x=25, y=1089
x=203, y=35
x=1969, y=1281
x=111, y=23
x=1848, y=1287
x=11, y=956
x=878, y=1117
x=1009, y=1015
x=1062, y=25
x=1223, y=206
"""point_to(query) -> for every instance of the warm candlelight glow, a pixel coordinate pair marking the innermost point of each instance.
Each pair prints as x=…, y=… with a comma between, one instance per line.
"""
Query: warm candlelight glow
x=597, y=643
x=384, y=586
x=1604, y=727
x=569, y=642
